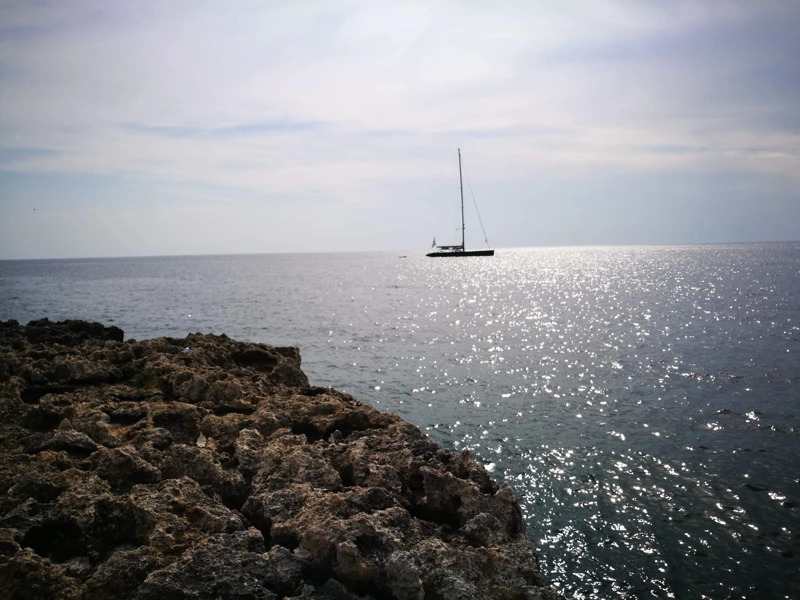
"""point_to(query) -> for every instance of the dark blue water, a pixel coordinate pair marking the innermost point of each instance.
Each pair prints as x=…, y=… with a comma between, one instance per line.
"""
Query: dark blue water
x=644, y=402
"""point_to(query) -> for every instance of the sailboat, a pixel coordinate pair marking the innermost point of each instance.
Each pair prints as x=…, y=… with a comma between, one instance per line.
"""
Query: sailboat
x=458, y=250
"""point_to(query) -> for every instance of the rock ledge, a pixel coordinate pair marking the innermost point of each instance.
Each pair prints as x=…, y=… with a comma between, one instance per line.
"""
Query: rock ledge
x=145, y=470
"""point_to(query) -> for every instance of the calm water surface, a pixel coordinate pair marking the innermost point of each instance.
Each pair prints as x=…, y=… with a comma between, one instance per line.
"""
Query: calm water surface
x=642, y=401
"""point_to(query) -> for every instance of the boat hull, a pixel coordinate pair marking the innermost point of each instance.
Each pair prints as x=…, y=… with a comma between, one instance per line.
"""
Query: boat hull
x=449, y=253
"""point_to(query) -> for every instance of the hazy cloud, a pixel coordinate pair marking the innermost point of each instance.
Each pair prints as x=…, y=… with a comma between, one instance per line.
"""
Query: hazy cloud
x=355, y=103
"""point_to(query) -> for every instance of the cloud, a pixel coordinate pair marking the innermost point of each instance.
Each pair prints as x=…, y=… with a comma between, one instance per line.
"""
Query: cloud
x=343, y=100
x=245, y=129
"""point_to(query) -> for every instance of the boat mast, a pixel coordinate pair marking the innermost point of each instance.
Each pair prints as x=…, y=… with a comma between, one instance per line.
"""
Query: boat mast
x=461, y=185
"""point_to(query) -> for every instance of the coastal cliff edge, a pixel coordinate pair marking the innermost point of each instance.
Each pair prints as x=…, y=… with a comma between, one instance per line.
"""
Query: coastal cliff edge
x=204, y=467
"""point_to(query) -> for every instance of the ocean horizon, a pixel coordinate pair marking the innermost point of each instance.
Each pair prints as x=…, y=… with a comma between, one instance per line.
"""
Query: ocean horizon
x=641, y=400
x=407, y=251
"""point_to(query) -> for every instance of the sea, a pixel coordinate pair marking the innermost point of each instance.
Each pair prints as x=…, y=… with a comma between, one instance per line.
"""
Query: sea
x=643, y=402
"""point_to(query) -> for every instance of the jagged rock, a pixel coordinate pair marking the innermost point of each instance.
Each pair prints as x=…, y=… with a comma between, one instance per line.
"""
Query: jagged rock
x=123, y=467
x=124, y=572
x=484, y=530
x=66, y=438
x=222, y=566
x=249, y=446
x=203, y=466
x=404, y=576
x=139, y=470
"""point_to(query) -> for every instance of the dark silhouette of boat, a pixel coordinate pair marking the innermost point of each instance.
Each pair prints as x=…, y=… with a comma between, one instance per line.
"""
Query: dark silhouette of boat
x=458, y=250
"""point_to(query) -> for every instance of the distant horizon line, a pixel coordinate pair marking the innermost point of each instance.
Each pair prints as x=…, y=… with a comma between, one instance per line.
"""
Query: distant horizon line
x=414, y=251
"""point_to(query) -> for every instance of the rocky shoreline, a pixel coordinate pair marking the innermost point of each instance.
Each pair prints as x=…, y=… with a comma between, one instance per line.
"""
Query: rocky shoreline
x=204, y=468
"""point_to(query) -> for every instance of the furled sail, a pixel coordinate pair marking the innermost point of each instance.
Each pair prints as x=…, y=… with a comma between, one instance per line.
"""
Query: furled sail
x=461, y=249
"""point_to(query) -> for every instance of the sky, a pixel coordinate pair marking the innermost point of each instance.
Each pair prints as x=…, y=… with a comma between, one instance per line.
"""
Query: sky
x=169, y=127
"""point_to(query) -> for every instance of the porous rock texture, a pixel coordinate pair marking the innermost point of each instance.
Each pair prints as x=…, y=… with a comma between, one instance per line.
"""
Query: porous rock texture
x=142, y=470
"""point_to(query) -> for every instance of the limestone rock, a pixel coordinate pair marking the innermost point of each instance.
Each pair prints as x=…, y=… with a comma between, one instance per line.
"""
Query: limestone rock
x=139, y=470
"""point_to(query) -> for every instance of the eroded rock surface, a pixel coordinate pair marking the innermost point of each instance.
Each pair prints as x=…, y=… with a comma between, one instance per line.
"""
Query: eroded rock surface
x=140, y=470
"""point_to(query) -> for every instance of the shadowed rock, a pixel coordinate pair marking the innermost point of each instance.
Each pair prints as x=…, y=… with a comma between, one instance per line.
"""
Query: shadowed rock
x=140, y=470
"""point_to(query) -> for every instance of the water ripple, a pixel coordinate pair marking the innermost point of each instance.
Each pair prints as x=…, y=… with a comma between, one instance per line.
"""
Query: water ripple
x=641, y=401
